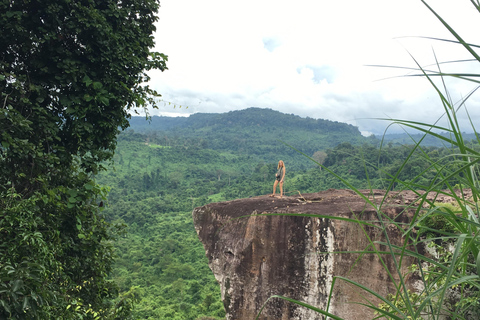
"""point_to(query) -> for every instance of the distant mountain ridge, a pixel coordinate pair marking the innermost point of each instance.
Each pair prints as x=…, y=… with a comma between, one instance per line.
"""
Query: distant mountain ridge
x=429, y=140
x=243, y=118
x=264, y=133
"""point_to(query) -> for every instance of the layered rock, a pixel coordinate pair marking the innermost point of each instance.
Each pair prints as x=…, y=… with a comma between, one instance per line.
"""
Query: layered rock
x=255, y=252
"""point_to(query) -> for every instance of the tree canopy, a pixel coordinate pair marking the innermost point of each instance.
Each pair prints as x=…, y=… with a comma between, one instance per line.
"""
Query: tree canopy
x=70, y=71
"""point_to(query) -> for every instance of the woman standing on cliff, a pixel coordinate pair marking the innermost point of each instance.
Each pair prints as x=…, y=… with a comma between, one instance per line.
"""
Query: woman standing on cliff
x=279, y=177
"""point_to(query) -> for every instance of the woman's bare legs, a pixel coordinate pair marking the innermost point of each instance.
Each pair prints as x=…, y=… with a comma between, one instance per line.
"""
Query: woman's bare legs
x=281, y=189
x=275, y=188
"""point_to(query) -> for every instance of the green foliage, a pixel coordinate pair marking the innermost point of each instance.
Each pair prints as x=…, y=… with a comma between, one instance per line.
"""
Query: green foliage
x=69, y=71
x=56, y=252
x=154, y=189
x=77, y=65
x=436, y=224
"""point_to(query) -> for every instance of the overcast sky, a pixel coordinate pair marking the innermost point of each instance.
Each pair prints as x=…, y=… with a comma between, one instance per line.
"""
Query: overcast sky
x=311, y=58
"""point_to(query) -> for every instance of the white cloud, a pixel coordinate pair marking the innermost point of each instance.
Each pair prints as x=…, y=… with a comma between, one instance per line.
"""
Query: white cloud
x=309, y=57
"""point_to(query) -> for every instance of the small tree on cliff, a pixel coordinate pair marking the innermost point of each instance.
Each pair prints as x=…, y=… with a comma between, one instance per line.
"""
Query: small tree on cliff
x=69, y=73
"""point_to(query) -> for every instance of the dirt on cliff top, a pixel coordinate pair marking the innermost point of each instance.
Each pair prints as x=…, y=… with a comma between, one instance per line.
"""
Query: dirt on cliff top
x=336, y=201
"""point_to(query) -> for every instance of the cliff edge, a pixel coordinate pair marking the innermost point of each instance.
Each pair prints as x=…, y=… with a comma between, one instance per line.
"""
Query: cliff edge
x=255, y=254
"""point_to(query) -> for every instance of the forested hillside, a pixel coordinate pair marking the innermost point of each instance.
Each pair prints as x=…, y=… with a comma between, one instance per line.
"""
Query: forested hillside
x=261, y=133
x=158, y=178
x=426, y=140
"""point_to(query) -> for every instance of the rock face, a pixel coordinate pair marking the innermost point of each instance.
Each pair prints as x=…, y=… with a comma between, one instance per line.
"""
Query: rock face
x=255, y=254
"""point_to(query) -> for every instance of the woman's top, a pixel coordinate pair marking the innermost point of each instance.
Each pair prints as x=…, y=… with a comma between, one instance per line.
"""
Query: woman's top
x=279, y=173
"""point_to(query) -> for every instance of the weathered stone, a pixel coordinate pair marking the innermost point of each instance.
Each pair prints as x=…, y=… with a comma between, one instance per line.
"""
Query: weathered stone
x=255, y=255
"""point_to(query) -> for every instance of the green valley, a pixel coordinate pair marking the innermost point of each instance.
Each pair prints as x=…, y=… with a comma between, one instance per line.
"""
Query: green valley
x=160, y=174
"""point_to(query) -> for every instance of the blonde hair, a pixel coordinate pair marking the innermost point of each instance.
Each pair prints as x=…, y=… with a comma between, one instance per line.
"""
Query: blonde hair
x=283, y=164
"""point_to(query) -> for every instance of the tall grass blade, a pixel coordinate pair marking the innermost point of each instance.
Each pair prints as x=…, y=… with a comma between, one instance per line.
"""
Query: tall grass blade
x=453, y=32
x=478, y=264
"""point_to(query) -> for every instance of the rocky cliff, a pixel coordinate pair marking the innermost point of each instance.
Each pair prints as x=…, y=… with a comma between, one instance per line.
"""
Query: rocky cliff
x=256, y=252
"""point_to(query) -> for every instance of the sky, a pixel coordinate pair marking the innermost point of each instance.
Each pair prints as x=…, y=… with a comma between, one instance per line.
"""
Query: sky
x=314, y=58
